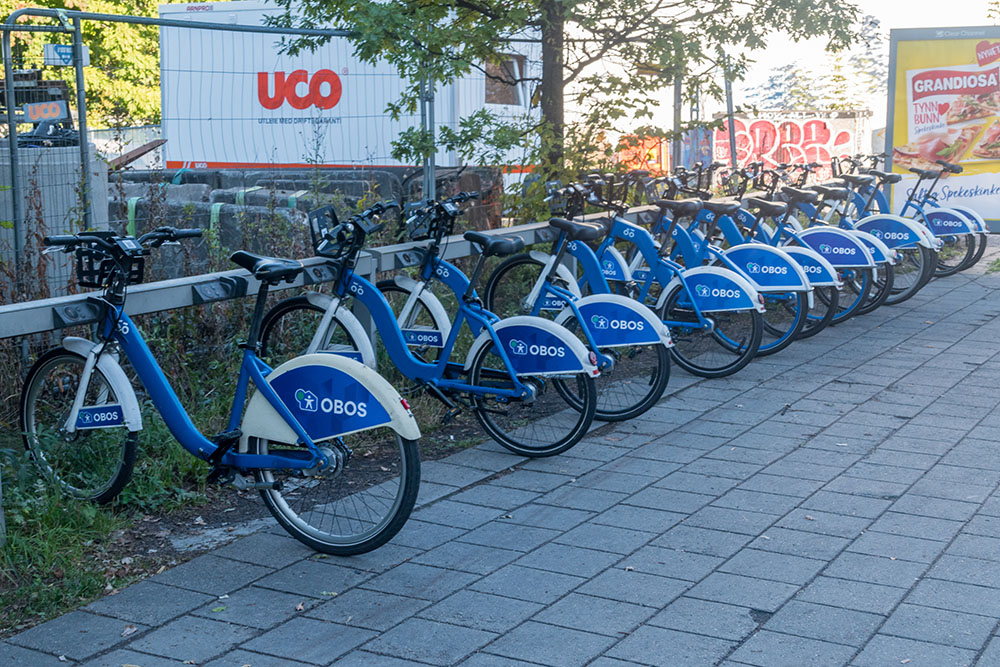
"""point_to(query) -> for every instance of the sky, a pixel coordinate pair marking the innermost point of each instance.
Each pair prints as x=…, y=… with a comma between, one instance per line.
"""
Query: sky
x=891, y=14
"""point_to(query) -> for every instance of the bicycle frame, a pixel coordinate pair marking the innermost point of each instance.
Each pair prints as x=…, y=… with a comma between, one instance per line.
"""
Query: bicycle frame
x=118, y=327
x=353, y=285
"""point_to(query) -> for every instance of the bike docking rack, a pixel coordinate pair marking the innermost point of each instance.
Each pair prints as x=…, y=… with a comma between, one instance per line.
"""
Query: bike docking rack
x=53, y=314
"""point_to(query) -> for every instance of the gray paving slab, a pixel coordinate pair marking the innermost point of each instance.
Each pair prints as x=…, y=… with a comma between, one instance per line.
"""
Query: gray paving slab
x=858, y=526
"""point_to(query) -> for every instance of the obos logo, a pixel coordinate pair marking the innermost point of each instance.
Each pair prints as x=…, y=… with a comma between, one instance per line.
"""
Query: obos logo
x=705, y=291
x=519, y=347
x=322, y=89
x=828, y=250
x=757, y=268
x=308, y=403
x=809, y=268
x=601, y=322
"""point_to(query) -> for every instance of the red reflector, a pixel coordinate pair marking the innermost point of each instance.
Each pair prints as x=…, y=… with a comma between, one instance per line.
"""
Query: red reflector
x=405, y=404
x=760, y=298
x=593, y=358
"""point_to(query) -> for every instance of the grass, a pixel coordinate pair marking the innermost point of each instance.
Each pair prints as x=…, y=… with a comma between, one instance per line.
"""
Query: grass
x=994, y=266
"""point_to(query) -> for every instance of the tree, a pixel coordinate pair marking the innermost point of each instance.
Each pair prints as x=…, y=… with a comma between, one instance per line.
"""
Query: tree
x=854, y=78
x=598, y=54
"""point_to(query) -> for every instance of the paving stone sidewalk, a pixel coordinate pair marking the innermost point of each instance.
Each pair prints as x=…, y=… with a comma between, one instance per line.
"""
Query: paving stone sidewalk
x=835, y=504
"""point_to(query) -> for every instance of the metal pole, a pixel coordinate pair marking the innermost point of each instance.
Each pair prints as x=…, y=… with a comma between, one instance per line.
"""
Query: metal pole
x=422, y=92
x=81, y=112
x=431, y=162
x=675, y=146
x=730, y=119
x=15, y=185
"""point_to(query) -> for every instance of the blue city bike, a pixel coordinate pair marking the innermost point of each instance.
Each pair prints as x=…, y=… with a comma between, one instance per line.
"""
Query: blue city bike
x=713, y=314
x=328, y=443
x=632, y=344
x=528, y=381
x=629, y=341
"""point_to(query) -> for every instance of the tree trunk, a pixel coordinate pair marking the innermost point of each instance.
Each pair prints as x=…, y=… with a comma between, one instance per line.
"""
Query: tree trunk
x=552, y=82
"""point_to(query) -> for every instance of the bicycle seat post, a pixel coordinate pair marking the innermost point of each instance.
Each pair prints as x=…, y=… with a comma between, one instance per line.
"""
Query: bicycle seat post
x=253, y=338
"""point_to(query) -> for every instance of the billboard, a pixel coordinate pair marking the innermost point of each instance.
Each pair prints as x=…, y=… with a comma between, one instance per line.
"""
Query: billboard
x=944, y=103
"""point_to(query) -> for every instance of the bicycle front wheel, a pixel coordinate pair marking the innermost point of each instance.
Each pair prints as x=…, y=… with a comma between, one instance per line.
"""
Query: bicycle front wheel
x=540, y=425
x=857, y=286
x=881, y=289
x=356, y=504
x=724, y=347
x=288, y=328
x=90, y=464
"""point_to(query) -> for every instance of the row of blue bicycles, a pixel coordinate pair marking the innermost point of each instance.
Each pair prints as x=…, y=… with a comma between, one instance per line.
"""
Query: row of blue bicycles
x=553, y=341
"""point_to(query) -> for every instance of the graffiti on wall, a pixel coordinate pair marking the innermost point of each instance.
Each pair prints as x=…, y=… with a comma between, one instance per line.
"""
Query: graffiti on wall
x=792, y=141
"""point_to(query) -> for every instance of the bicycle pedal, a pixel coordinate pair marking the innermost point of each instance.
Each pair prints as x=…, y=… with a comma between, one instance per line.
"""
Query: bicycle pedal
x=220, y=475
x=451, y=414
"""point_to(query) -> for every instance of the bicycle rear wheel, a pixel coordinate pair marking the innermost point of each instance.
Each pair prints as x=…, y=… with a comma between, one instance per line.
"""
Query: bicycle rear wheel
x=358, y=503
x=541, y=425
x=640, y=373
x=90, y=464
x=288, y=328
x=785, y=315
x=826, y=303
x=881, y=289
x=955, y=255
x=857, y=286
x=717, y=351
x=913, y=270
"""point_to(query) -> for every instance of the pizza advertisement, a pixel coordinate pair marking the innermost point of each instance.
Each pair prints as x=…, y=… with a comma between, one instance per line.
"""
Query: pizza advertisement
x=944, y=104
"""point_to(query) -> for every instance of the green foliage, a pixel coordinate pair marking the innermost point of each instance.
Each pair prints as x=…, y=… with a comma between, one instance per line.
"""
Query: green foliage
x=619, y=55
x=123, y=82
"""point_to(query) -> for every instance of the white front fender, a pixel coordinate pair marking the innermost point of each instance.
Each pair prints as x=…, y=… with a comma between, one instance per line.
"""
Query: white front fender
x=332, y=310
x=116, y=377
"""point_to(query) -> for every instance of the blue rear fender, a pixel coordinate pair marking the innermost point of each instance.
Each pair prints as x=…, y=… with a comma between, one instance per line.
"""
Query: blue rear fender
x=896, y=231
x=770, y=269
x=716, y=289
x=536, y=346
x=948, y=222
x=614, y=321
x=820, y=272
x=837, y=246
x=881, y=253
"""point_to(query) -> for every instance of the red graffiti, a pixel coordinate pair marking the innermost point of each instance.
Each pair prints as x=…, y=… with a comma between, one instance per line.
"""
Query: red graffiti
x=787, y=141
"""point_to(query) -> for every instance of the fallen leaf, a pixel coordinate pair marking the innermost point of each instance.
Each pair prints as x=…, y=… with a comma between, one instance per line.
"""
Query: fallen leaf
x=223, y=597
x=129, y=630
x=329, y=594
x=162, y=568
x=218, y=609
x=62, y=658
x=198, y=521
x=300, y=606
x=629, y=568
x=810, y=518
x=905, y=660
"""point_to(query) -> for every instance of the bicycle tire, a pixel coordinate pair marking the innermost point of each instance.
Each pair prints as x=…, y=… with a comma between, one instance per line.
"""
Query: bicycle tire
x=856, y=290
x=47, y=397
x=955, y=255
x=312, y=509
x=880, y=291
x=825, y=306
x=420, y=316
x=288, y=327
x=623, y=392
x=783, y=329
x=914, y=269
x=540, y=427
x=982, y=240
x=737, y=348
